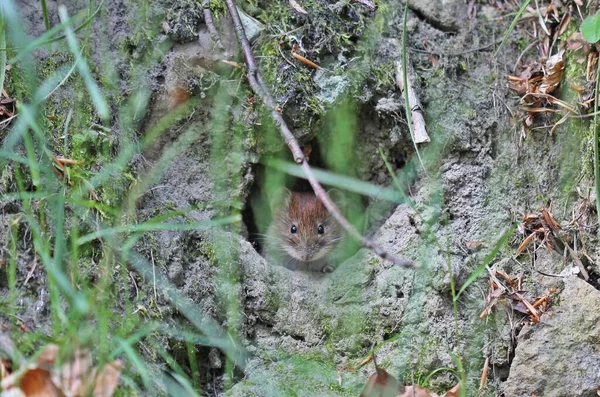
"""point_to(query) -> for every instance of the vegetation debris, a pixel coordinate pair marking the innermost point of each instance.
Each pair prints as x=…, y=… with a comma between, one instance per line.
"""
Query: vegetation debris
x=48, y=376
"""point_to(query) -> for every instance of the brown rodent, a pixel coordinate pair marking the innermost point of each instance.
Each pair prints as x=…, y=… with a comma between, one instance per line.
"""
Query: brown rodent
x=302, y=235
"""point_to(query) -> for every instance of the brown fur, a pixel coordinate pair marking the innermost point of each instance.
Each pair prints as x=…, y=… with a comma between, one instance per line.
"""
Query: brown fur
x=306, y=249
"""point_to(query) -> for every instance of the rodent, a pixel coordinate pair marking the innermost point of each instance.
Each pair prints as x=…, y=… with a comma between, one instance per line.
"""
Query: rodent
x=302, y=235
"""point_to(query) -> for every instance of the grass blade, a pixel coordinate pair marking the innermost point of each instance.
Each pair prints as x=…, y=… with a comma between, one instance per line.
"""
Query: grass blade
x=511, y=27
x=339, y=181
x=488, y=259
x=147, y=227
x=84, y=70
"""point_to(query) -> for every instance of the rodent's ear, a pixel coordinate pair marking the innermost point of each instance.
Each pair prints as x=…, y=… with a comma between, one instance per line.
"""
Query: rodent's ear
x=337, y=196
x=280, y=198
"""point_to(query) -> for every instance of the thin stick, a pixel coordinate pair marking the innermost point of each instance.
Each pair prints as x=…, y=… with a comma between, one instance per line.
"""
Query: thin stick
x=259, y=88
x=404, y=73
x=413, y=102
x=367, y=3
x=210, y=24
x=153, y=275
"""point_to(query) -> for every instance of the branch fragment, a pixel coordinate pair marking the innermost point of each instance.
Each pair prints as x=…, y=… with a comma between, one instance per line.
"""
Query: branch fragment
x=258, y=86
x=413, y=102
x=210, y=24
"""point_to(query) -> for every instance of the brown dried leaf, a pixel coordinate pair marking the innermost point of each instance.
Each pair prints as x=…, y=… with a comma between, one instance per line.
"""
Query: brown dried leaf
x=74, y=377
x=525, y=243
x=298, y=7
x=534, y=314
x=232, y=63
x=520, y=307
x=37, y=382
x=576, y=42
x=553, y=73
x=550, y=219
x=108, y=379
x=5, y=368
x=529, y=218
x=381, y=384
x=564, y=24
x=454, y=392
x=48, y=355
x=366, y=361
x=417, y=391
x=473, y=245
x=305, y=61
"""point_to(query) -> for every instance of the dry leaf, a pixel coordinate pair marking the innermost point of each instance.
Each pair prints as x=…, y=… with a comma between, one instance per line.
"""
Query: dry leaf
x=553, y=73
x=73, y=378
x=550, y=219
x=37, y=383
x=298, y=7
x=305, y=61
x=576, y=42
x=473, y=245
x=178, y=96
x=454, y=392
x=381, y=384
x=108, y=379
x=525, y=243
x=418, y=391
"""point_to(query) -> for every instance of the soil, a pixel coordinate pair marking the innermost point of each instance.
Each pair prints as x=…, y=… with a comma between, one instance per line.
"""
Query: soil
x=306, y=333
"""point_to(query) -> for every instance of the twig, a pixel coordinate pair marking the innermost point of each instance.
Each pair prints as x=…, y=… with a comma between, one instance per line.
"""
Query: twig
x=456, y=54
x=210, y=24
x=367, y=3
x=153, y=275
x=529, y=47
x=484, y=375
x=259, y=88
x=30, y=273
x=578, y=262
x=413, y=102
x=404, y=74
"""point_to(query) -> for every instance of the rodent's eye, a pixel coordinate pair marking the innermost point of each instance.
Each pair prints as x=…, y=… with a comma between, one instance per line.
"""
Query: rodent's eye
x=294, y=229
x=320, y=229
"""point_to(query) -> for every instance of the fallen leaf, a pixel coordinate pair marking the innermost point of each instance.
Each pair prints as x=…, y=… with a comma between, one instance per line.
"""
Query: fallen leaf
x=77, y=377
x=380, y=384
x=298, y=7
x=37, y=383
x=553, y=73
x=525, y=243
x=473, y=245
x=108, y=379
x=305, y=61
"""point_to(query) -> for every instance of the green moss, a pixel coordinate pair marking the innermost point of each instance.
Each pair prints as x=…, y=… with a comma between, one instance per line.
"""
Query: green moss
x=300, y=375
